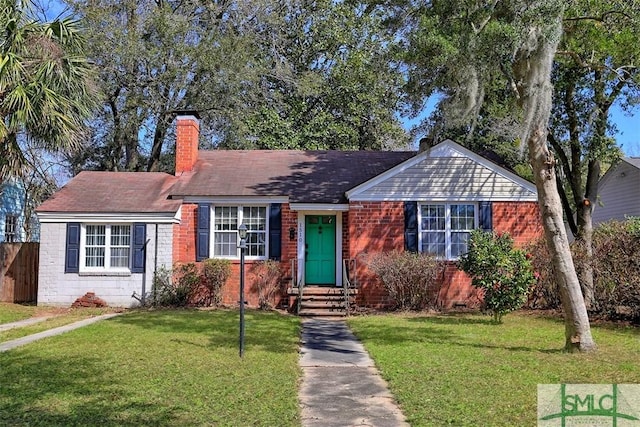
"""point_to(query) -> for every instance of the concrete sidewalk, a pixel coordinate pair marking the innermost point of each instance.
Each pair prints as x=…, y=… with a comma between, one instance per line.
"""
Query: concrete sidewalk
x=5, y=346
x=25, y=322
x=341, y=386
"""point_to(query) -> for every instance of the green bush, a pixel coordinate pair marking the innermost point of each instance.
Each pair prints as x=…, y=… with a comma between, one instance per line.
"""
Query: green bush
x=501, y=271
x=410, y=279
x=267, y=282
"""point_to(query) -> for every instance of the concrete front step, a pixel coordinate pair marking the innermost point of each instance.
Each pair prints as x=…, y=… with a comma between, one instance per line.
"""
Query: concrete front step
x=324, y=301
x=337, y=305
x=322, y=290
x=307, y=312
x=322, y=298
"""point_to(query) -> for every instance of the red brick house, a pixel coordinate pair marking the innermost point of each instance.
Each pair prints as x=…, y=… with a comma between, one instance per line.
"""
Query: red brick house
x=107, y=232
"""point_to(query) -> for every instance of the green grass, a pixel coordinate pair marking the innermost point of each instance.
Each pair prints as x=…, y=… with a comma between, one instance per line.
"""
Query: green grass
x=60, y=317
x=463, y=370
x=161, y=368
x=14, y=312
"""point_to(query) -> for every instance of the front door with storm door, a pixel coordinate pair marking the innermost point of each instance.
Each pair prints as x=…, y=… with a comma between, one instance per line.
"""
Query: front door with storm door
x=320, y=250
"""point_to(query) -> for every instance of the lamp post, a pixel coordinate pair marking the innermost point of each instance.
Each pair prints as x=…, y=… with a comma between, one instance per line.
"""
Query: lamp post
x=242, y=232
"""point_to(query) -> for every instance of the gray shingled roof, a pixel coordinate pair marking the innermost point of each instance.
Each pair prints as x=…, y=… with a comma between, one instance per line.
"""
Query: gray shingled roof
x=114, y=192
x=303, y=176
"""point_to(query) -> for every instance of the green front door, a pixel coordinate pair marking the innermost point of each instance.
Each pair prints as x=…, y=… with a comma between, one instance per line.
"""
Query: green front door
x=320, y=250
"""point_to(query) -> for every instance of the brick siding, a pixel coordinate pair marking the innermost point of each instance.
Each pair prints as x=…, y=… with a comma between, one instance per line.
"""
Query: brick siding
x=379, y=227
x=184, y=235
x=368, y=227
x=187, y=131
x=520, y=219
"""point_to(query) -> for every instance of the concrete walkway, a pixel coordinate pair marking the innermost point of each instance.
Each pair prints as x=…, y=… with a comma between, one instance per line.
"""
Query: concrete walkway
x=5, y=346
x=341, y=386
x=25, y=322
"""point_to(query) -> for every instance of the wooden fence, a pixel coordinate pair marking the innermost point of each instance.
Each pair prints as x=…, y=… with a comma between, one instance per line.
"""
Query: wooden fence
x=19, y=272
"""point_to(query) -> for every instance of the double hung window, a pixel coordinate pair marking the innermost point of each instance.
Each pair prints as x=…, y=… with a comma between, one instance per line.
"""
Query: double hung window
x=11, y=228
x=107, y=247
x=227, y=219
x=445, y=228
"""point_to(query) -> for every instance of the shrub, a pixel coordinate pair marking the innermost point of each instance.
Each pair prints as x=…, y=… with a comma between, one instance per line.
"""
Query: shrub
x=215, y=273
x=171, y=290
x=189, y=284
x=267, y=282
x=616, y=265
x=410, y=279
x=616, y=271
x=544, y=294
x=502, y=272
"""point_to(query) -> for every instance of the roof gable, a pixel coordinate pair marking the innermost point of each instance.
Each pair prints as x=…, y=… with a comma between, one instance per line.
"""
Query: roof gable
x=634, y=161
x=620, y=169
x=447, y=171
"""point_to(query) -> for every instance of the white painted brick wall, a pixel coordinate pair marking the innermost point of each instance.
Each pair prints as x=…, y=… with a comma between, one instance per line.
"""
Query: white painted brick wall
x=55, y=287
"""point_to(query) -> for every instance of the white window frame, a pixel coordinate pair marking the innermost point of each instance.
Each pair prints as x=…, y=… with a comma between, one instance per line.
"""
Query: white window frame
x=11, y=228
x=447, y=222
x=107, y=252
x=240, y=209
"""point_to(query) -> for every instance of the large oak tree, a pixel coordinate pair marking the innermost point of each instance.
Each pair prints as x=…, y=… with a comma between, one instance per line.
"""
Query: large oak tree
x=596, y=65
x=459, y=49
x=262, y=73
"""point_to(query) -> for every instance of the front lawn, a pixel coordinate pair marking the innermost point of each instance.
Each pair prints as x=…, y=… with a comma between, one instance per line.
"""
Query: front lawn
x=162, y=368
x=14, y=312
x=51, y=318
x=463, y=370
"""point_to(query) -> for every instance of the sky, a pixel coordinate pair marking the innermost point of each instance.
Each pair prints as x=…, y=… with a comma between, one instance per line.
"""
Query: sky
x=627, y=136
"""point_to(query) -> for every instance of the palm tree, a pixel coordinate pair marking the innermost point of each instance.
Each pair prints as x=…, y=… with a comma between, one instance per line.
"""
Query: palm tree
x=45, y=85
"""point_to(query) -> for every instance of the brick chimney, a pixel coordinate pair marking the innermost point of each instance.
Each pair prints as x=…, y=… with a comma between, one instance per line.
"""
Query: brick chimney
x=187, y=133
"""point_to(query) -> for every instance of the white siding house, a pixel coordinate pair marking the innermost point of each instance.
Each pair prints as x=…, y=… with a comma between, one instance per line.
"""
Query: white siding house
x=106, y=233
x=619, y=192
x=116, y=288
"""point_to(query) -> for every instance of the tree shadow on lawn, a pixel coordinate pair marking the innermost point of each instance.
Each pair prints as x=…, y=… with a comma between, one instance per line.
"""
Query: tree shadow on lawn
x=60, y=391
x=269, y=331
x=429, y=332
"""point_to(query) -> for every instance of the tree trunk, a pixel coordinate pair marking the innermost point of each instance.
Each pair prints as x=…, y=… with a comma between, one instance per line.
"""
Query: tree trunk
x=584, y=237
x=153, y=165
x=533, y=70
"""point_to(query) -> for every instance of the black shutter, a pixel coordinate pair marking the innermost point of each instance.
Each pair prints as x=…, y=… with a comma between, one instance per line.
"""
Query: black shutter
x=72, y=250
x=203, y=231
x=411, y=226
x=275, y=231
x=485, y=216
x=139, y=247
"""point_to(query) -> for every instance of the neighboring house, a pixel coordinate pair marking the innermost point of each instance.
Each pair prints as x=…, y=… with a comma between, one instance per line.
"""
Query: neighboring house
x=619, y=192
x=107, y=232
x=14, y=215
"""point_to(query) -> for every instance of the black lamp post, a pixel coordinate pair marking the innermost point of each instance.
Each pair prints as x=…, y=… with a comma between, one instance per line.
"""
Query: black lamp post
x=242, y=232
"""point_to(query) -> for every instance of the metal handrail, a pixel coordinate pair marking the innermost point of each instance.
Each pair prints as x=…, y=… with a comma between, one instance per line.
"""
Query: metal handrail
x=346, y=282
x=293, y=274
x=300, y=292
x=296, y=284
